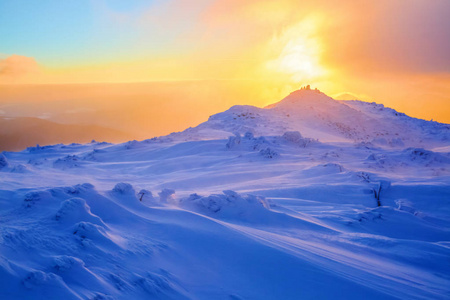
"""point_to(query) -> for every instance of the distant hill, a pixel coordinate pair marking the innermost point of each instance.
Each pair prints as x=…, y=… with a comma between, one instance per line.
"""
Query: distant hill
x=19, y=133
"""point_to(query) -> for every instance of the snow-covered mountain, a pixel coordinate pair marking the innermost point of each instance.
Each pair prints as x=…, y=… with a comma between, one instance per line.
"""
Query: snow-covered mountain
x=318, y=116
x=309, y=198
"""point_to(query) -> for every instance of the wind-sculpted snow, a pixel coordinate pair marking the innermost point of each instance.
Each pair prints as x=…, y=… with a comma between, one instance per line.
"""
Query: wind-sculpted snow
x=229, y=204
x=308, y=199
x=74, y=210
x=3, y=161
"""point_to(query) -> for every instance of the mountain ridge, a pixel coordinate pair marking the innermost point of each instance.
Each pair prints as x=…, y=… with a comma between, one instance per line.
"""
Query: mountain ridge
x=316, y=115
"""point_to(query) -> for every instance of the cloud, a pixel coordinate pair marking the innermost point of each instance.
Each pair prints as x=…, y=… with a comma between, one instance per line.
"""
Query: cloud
x=17, y=68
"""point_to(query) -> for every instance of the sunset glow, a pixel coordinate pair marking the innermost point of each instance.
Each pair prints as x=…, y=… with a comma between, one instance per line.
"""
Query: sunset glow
x=395, y=53
x=224, y=149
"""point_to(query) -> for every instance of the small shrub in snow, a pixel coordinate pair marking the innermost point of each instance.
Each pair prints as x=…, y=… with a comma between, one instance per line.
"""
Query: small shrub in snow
x=366, y=145
x=247, y=142
x=145, y=195
x=363, y=176
x=70, y=161
x=3, y=161
x=259, y=142
x=19, y=169
x=37, y=161
x=93, y=155
x=32, y=198
x=228, y=204
x=294, y=137
x=39, y=278
x=166, y=195
x=123, y=188
x=79, y=188
x=380, y=160
x=64, y=263
x=369, y=216
x=268, y=153
x=153, y=284
x=89, y=234
x=425, y=156
x=131, y=144
x=34, y=149
x=397, y=142
x=233, y=141
x=382, y=185
x=249, y=135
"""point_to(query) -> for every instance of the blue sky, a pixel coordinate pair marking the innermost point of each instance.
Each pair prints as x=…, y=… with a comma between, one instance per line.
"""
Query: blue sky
x=59, y=33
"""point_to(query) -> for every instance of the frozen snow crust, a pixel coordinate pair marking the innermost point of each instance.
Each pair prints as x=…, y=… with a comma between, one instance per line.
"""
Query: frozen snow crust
x=245, y=206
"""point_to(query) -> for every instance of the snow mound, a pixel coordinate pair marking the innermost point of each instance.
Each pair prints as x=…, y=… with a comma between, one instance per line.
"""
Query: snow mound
x=123, y=188
x=13, y=168
x=411, y=157
x=92, y=236
x=19, y=169
x=3, y=161
x=132, y=144
x=63, y=263
x=37, y=161
x=46, y=149
x=407, y=221
x=393, y=142
x=294, y=137
x=68, y=192
x=93, y=155
x=405, y=205
x=41, y=197
x=146, y=196
x=125, y=195
x=68, y=162
x=74, y=271
x=153, y=284
x=324, y=169
x=74, y=210
x=227, y=205
x=41, y=279
x=268, y=153
x=426, y=157
x=247, y=142
x=166, y=195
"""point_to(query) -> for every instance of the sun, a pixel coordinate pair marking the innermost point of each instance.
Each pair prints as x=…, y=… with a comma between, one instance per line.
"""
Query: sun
x=298, y=59
x=300, y=53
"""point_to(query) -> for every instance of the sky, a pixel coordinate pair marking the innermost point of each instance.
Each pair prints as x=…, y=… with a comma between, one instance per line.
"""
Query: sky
x=392, y=52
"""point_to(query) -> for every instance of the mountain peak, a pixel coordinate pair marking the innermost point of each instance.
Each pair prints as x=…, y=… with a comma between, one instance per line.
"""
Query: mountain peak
x=304, y=95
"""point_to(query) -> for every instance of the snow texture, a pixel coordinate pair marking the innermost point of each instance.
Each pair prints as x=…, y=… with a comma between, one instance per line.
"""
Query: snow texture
x=309, y=198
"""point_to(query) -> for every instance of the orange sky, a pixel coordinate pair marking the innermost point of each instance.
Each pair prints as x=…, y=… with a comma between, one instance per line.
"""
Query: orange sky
x=391, y=52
